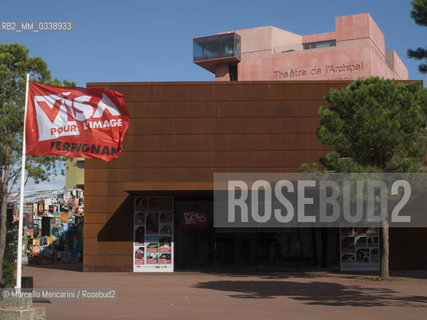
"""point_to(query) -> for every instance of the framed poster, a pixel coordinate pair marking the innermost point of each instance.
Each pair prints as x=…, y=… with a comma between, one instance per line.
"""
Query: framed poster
x=359, y=249
x=153, y=234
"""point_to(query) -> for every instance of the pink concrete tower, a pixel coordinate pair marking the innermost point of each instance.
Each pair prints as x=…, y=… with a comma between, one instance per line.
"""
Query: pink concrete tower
x=356, y=49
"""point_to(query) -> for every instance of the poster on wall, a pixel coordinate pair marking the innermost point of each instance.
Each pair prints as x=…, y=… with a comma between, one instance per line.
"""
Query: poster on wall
x=40, y=207
x=28, y=214
x=359, y=249
x=194, y=219
x=153, y=234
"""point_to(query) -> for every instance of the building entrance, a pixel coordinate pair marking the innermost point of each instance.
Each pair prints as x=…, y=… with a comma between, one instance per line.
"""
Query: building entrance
x=199, y=246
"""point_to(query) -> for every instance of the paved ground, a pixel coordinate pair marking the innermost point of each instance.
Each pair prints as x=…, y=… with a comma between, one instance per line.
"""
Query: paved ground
x=313, y=295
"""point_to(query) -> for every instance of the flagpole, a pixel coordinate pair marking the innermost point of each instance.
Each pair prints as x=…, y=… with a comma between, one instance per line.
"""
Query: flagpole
x=21, y=200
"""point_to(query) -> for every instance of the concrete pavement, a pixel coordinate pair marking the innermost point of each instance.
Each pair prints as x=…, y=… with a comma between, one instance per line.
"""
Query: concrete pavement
x=185, y=295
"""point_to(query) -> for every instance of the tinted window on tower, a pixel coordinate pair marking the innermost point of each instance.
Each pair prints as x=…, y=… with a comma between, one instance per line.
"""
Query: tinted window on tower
x=232, y=71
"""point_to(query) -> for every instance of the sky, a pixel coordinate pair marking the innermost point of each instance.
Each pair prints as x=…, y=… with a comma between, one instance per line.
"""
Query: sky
x=115, y=41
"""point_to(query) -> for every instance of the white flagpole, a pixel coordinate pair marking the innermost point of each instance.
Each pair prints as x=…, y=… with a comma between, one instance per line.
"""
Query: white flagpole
x=21, y=200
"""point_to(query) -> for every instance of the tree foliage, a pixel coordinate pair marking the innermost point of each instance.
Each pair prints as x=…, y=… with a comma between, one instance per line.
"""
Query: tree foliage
x=15, y=63
x=9, y=262
x=374, y=125
x=419, y=14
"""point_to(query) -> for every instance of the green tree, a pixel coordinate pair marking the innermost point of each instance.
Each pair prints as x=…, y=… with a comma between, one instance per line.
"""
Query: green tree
x=419, y=14
x=9, y=262
x=374, y=125
x=15, y=63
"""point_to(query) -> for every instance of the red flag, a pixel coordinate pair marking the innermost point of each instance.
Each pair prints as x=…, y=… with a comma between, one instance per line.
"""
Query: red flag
x=75, y=122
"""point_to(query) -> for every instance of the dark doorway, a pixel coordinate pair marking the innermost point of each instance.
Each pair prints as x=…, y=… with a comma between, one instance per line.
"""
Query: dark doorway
x=194, y=242
x=232, y=71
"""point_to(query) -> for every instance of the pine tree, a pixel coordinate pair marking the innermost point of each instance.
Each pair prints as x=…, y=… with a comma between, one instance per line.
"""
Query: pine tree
x=419, y=14
x=376, y=126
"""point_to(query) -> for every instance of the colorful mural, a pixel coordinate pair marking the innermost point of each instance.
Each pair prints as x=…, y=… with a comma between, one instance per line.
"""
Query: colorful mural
x=53, y=225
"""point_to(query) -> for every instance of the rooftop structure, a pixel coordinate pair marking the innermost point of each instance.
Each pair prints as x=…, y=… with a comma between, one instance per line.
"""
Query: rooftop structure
x=356, y=49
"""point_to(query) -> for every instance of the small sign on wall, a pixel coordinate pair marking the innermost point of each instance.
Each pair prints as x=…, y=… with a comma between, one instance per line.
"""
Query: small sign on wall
x=194, y=219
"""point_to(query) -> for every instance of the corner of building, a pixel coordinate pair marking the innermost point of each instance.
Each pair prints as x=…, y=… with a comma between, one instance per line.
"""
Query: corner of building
x=74, y=173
